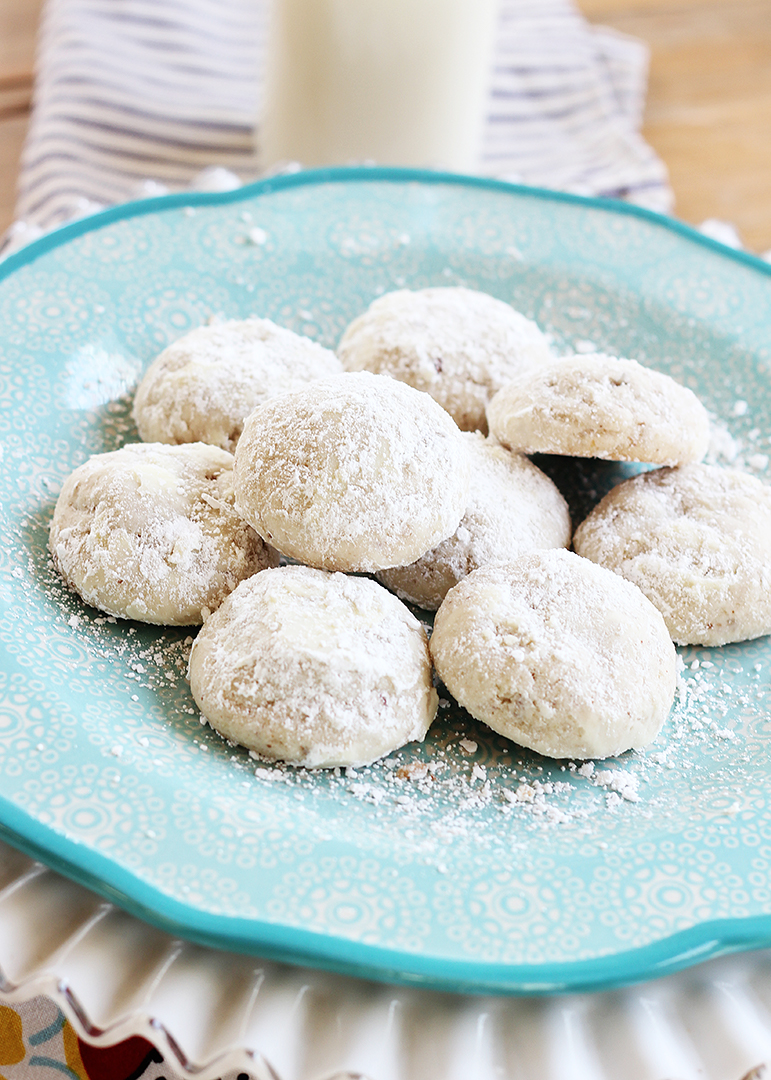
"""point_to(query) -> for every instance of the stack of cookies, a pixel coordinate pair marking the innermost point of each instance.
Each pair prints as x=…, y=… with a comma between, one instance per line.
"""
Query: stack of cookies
x=292, y=500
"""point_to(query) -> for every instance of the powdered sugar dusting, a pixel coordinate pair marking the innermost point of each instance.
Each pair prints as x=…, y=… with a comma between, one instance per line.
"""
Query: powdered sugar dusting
x=314, y=668
x=202, y=386
x=601, y=406
x=697, y=541
x=558, y=654
x=358, y=472
x=149, y=532
x=513, y=507
x=464, y=786
x=458, y=345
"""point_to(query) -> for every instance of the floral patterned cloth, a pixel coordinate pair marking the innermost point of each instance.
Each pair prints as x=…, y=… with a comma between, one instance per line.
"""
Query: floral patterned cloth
x=37, y=1042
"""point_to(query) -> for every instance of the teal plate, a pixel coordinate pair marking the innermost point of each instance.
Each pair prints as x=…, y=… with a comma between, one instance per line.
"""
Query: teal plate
x=463, y=863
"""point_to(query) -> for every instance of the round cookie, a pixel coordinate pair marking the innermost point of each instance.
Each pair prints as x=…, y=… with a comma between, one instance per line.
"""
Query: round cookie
x=149, y=532
x=558, y=655
x=201, y=387
x=315, y=669
x=697, y=541
x=356, y=472
x=599, y=406
x=457, y=345
x=513, y=507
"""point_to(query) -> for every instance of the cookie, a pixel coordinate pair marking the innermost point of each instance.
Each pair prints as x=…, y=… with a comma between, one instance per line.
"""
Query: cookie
x=558, y=655
x=355, y=472
x=458, y=345
x=149, y=532
x=697, y=541
x=201, y=388
x=599, y=406
x=315, y=669
x=513, y=507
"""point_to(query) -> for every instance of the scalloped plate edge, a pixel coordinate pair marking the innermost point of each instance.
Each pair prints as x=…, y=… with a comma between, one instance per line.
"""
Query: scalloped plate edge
x=300, y=947
x=123, y=211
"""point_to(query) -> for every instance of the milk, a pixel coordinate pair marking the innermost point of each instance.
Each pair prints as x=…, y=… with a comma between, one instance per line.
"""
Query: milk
x=398, y=82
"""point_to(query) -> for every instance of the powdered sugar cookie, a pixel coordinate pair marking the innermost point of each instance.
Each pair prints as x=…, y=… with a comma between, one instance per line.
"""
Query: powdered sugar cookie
x=602, y=407
x=697, y=541
x=315, y=669
x=513, y=507
x=149, y=532
x=356, y=472
x=457, y=345
x=201, y=387
x=557, y=654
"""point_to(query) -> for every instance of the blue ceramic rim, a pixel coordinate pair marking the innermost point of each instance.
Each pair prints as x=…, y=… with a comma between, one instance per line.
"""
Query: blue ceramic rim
x=370, y=174
x=312, y=949
x=293, y=944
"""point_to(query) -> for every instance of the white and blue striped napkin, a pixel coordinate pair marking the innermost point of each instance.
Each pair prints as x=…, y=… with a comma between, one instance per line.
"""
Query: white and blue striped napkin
x=137, y=97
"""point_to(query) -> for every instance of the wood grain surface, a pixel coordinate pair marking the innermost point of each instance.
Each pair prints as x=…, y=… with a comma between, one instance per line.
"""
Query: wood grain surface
x=18, y=28
x=708, y=112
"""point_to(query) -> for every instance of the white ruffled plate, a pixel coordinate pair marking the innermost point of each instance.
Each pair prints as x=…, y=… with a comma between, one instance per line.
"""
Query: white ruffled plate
x=213, y=1014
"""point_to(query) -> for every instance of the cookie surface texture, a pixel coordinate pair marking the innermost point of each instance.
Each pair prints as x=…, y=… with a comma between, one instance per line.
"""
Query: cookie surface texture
x=697, y=541
x=551, y=653
x=201, y=387
x=456, y=344
x=149, y=532
x=513, y=507
x=599, y=406
x=315, y=669
x=356, y=472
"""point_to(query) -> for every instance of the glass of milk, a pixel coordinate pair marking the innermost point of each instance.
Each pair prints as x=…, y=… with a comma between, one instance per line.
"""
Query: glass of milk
x=397, y=82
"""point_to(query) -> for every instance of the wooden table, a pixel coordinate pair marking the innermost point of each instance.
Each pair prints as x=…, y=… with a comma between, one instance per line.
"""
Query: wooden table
x=708, y=113
x=18, y=26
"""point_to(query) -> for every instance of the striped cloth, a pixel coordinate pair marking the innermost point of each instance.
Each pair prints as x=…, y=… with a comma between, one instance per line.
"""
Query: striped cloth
x=137, y=97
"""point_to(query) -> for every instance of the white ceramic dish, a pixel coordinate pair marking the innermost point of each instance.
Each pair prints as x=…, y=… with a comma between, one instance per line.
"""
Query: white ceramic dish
x=215, y=1016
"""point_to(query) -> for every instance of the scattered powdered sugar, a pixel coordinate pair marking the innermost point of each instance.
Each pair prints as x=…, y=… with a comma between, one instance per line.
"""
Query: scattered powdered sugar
x=464, y=789
x=724, y=448
x=750, y=452
x=463, y=786
x=618, y=780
